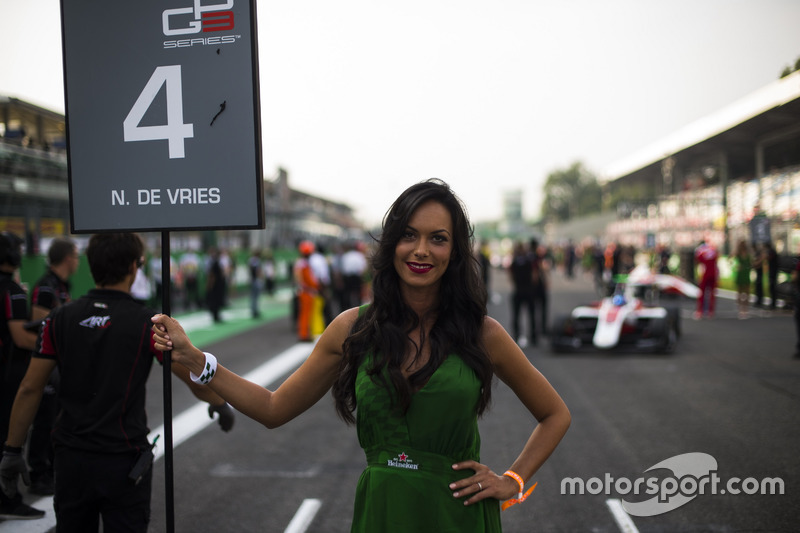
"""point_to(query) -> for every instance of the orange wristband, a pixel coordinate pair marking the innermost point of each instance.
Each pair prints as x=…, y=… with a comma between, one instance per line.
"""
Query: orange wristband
x=520, y=497
x=516, y=477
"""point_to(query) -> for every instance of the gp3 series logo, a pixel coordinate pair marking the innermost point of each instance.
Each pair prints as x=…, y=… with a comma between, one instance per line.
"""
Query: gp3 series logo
x=199, y=18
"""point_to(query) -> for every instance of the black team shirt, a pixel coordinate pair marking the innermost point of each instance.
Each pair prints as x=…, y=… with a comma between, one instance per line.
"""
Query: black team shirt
x=103, y=346
x=50, y=291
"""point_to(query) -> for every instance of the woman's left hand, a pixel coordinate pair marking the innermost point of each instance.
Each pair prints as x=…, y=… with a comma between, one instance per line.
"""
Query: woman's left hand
x=483, y=484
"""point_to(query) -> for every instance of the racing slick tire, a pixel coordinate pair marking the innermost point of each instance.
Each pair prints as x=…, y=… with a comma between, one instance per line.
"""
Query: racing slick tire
x=667, y=332
x=561, y=341
x=674, y=315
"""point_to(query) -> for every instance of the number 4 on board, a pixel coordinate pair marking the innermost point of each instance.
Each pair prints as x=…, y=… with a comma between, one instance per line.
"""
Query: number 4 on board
x=174, y=131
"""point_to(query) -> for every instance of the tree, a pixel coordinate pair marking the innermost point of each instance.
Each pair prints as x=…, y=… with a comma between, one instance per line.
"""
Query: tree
x=570, y=193
x=788, y=69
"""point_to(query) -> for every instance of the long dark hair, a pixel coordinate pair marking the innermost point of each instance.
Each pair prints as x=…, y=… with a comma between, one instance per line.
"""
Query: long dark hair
x=383, y=329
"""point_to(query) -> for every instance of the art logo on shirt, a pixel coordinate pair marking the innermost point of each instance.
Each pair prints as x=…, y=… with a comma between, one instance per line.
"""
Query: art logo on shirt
x=402, y=461
x=96, y=322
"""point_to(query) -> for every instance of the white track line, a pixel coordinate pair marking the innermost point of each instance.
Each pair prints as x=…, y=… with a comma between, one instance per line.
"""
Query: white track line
x=304, y=516
x=622, y=518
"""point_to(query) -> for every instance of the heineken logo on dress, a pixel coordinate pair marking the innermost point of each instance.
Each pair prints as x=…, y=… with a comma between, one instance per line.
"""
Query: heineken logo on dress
x=402, y=461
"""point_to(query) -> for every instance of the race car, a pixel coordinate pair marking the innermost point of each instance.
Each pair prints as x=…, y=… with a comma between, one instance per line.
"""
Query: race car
x=628, y=319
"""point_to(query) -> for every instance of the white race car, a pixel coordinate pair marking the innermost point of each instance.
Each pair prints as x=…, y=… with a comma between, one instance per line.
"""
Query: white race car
x=629, y=319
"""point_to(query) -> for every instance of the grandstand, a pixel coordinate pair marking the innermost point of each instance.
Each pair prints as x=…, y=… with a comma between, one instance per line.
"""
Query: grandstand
x=34, y=197
x=705, y=180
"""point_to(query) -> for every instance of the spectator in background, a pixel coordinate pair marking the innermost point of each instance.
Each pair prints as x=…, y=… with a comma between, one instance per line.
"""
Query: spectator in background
x=569, y=259
x=354, y=264
x=771, y=262
x=663, y=259
x=140, y=290
x=189, y=265
x=523, y=295
x=541, y=269
x=758, y=267
x=216, y=285
x=307, y=288
x=256, y=270
x=50, y=291
x=155, y=269
x=627, y=259
x=322, y=271
x=269, y=272
x=706, y=257
x=743, y=266
x=337, y=278
x=610, y=266
x=228, y=265
x=598, y=267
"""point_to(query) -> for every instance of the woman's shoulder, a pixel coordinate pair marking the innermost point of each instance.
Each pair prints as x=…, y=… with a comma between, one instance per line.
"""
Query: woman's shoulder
x=491, y=329
x=501, y=348
x=346, y=318
x=338, y=330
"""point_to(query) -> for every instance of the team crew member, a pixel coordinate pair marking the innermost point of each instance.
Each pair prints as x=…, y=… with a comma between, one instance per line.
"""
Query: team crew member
x=53, y=288
x=103, y=347
x=16, y=344
x=51, y=291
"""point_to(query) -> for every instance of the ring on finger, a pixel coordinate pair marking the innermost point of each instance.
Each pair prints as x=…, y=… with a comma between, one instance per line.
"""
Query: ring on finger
x=480, y=487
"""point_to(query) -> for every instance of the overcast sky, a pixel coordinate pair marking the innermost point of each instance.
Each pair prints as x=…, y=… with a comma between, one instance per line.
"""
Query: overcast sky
x=362, y=98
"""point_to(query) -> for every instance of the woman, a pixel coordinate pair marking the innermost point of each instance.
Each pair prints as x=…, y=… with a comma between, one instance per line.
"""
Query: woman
x=414, y=371
x=743, y=266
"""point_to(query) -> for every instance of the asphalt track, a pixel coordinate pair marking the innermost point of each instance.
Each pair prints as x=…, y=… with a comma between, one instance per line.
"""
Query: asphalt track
x=730, y=390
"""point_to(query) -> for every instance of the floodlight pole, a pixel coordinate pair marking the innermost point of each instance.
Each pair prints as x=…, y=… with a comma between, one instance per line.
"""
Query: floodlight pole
x=167, y=368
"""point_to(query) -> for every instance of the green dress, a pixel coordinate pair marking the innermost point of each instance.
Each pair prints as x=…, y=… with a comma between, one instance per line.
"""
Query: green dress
x=743, y=271
x=405, y=485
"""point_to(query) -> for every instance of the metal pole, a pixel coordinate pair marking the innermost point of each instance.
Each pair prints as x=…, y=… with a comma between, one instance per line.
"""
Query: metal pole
x=167, y=367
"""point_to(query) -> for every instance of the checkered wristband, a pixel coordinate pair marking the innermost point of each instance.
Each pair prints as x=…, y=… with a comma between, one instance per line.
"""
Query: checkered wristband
x=209, y=370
